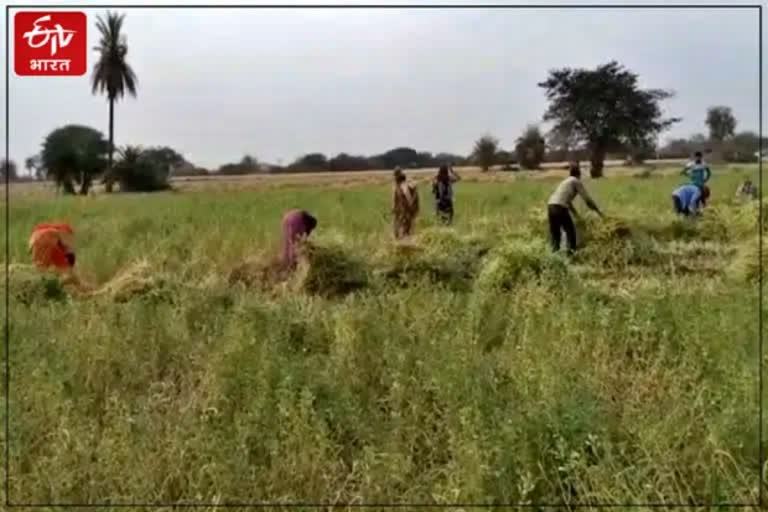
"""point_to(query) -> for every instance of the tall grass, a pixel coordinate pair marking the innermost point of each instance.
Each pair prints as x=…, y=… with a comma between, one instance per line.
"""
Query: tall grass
x=471, y=367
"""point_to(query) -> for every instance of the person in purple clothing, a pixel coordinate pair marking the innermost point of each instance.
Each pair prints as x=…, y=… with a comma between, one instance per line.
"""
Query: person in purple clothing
x=297, y=225
x=687, y=200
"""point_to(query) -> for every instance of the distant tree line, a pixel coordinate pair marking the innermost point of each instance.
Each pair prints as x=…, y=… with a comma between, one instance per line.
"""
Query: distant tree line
x=594, y=115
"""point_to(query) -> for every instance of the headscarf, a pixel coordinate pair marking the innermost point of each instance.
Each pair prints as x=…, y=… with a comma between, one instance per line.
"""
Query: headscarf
x=53, y=246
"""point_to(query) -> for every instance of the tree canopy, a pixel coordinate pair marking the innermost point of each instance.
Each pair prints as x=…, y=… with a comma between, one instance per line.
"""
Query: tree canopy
x=485, y=151
x=604, y=108
x=530, y=148
x=721, y=123
x=74, y=154
x=140, y=170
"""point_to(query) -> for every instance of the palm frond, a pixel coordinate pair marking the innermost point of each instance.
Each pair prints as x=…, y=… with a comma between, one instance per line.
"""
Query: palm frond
x=111, y=73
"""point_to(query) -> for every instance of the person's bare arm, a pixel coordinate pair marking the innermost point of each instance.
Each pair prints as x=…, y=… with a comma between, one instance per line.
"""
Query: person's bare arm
x=587, y=198
x=455, y=175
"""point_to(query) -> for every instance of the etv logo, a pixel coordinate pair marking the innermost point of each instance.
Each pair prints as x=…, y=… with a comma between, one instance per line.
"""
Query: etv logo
x=50, y=43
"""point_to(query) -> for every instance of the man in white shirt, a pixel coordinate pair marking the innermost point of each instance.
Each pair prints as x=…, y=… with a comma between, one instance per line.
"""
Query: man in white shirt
x=560, y=207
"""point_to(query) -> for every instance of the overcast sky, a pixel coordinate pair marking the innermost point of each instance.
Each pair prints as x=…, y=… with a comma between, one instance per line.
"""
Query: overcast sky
x=216, y=84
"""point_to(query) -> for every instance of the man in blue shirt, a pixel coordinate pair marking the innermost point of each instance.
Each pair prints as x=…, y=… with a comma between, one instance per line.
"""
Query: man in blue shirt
x=686, y=200
x=698, y=172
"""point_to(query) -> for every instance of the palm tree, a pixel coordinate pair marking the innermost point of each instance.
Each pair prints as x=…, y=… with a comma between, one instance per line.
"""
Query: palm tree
x=112, y=74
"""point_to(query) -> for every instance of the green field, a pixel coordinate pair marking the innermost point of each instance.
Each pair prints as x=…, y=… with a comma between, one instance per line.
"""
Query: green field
x=470, y=367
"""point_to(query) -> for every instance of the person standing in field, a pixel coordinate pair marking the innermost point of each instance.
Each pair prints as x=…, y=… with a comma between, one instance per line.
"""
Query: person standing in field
x=297, y=226
x=442, y=189
x=560, y=207
x=697, y=171
x=686, y=200
x=405, y=204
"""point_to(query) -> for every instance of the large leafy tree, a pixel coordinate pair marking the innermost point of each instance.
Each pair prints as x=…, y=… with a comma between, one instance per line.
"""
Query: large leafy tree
x=73, y=155
x=721, y=123
x=604, y=108
x=485, y=151
x=111, y=74
x=530, y=148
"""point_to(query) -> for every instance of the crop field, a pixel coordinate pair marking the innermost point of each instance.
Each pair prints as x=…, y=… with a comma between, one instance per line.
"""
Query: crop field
x=465, y=365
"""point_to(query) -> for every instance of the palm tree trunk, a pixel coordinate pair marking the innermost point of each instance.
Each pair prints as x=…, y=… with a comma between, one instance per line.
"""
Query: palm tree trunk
x=110, y=180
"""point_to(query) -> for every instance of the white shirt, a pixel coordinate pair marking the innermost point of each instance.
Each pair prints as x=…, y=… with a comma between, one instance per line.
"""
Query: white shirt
x=567, y=191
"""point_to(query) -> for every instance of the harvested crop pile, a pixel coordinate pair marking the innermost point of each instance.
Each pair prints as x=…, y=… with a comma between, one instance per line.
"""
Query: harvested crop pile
x=589, y=227
x=447, y=240
x=328, y=270
x=677, y=229
x=29, y=286
x=745, y=265
x=259, y=273
x=513, y=263
x=135, y=280
x=593, y=228
x=438, y=255
x=613, y=245
x=710, y=225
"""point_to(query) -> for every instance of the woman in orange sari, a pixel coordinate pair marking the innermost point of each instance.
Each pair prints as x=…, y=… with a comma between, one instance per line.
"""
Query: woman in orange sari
x=53, y=247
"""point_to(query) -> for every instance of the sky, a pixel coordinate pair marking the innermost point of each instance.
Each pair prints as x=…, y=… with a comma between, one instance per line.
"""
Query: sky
x=216, y=84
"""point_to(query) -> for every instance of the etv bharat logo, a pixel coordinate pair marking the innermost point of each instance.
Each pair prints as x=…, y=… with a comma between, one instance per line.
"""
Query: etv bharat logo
x=50, y=43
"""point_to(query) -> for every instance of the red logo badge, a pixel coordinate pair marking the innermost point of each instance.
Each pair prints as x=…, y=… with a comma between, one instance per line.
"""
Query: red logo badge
x=50, y=43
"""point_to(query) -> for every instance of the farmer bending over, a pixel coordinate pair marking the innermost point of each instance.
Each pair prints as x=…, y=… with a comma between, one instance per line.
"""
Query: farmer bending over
x=405, y=205
x=560, y=207
x=442, y=188
x=686, y=200
x=297, y=226
x=53, y=247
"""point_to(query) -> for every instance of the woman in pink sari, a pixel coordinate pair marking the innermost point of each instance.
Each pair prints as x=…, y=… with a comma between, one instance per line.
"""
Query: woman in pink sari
x=297, y=225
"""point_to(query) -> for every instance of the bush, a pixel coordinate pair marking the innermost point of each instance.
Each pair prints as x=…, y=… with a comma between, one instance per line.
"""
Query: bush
x=247, y=165
x=139, y=171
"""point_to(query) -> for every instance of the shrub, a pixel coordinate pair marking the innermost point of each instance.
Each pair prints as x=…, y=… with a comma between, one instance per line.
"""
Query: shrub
x=138, y=171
